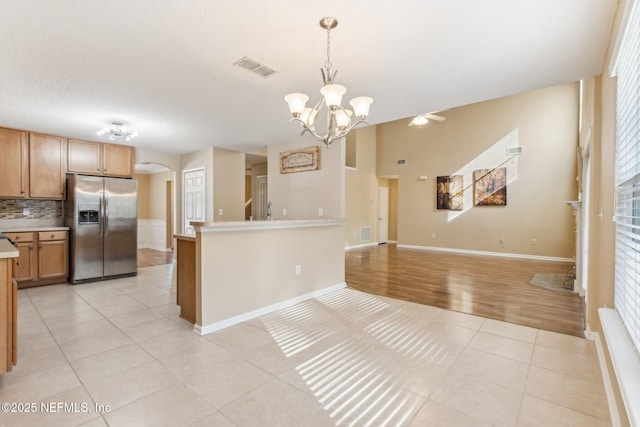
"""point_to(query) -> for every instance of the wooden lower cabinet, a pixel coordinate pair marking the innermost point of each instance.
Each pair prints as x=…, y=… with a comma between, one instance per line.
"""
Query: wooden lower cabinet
x=53, y=255
x=27, y=263
x=44, y=257
x=8, y=313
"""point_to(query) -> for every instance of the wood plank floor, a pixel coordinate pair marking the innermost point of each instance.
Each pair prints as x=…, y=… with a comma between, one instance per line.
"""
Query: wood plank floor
x=496, y=288
x=150, y=257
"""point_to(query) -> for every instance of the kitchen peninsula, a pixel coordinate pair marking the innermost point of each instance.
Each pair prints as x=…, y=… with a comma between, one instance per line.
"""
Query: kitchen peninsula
x=230, y=272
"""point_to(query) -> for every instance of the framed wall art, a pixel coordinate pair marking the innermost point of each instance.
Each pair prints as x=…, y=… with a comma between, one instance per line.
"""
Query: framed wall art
x=490, y=187
x=449, y=192
x=305, y=159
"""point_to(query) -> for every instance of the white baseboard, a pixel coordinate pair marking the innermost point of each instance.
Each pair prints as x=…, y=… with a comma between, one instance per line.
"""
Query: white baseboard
x=360, y=246
x=606, y=379
x=485, y=253
x=207, y=329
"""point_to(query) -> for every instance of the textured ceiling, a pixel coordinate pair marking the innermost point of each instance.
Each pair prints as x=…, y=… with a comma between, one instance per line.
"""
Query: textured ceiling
x=164, y=67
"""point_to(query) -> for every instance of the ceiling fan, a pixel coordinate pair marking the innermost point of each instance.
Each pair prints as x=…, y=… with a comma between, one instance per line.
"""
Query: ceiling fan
x=423, y=119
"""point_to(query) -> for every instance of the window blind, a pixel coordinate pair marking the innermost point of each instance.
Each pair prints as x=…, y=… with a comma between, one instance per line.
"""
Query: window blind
x=627, y=179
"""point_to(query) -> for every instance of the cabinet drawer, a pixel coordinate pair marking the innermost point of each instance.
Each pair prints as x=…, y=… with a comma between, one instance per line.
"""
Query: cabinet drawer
x=20, y=237
x=44, y=236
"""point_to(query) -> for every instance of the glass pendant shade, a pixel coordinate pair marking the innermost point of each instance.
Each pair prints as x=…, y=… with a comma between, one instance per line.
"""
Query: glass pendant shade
x=296, y=102
x=343, y=119
x=309, y=116
x=333, y=94
x=361, y=105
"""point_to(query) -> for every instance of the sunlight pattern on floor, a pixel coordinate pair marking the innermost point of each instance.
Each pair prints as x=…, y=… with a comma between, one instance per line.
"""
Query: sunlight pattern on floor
x=356, y=385
x=297, y=328
x=408, y=335
x=363, y=356
x=353, y=305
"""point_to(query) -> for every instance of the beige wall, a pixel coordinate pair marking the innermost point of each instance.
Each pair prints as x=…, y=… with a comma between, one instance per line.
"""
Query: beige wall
x=227, y=288
x=393, y=210
x=303, y=193
x=598, y=121
x=228, y=185
x=543, y=122
x=144, y=191
x=361, y=205
x=158, y=194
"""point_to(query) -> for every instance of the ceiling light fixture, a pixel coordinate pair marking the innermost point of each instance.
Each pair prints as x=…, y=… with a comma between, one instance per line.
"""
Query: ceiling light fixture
x=423, y=119
x=338, y=118
x=117, y=132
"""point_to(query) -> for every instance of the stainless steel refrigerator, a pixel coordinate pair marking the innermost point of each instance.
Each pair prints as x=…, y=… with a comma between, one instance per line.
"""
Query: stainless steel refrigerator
x=102, y=214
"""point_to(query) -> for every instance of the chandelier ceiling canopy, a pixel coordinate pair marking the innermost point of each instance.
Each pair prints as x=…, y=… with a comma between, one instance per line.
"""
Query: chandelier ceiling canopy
x=339, y=120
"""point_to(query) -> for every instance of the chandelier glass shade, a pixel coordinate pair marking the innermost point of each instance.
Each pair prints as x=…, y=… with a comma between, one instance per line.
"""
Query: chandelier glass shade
x=117, y=132
x=339, y=120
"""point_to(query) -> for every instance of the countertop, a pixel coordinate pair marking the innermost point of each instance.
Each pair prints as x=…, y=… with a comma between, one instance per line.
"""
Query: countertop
x=27, y=229
x=7, y=250
x=222, y=226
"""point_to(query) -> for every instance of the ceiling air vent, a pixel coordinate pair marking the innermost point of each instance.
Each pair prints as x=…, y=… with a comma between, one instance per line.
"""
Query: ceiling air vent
x=401, y=162
x=255, y=67
x=514, y=151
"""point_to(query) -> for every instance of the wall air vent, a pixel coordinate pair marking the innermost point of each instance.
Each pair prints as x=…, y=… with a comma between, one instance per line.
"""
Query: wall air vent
x=365, y=234
x=514, y=151
x=255, y=67
x=401, y=162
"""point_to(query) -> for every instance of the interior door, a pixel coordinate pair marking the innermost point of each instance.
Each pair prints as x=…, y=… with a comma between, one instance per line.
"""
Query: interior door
x=383, y=214
x=261, y=206
x=193, y=198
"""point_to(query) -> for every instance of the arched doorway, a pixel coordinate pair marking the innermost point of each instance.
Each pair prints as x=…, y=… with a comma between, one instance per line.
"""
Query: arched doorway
x=156, y=213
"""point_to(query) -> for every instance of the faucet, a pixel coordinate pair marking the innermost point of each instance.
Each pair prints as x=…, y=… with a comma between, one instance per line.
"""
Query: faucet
x=269, y=214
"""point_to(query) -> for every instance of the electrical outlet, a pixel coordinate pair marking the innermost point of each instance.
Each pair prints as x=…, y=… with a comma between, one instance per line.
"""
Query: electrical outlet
x=534, y=241
x=26, y=211
x=284, y=211
x=320, y=212
x=502, y=240
x=433, y=235
x=220, y=212
x=298, y=269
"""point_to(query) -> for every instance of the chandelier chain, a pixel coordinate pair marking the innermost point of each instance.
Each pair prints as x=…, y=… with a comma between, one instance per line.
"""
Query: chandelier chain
x=328, y=64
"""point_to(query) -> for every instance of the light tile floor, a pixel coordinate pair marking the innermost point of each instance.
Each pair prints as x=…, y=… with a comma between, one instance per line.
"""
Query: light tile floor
x=348, y=358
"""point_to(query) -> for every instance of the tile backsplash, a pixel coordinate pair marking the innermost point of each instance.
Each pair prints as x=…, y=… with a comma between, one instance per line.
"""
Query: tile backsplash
x=38, y=209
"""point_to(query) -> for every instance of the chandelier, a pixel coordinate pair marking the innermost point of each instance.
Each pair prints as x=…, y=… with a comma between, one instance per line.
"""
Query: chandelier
x=338, y=119
x=117, y=132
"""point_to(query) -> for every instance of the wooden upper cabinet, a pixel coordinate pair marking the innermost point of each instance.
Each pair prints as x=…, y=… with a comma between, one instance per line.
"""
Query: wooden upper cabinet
x=118, y=160
x=46, y=166
x=14, y=164
x=84, y=157
x=95, y=158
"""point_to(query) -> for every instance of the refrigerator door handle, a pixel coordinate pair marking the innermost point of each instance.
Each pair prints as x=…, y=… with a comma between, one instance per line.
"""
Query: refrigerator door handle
x=102, y=215
x=106, y=211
